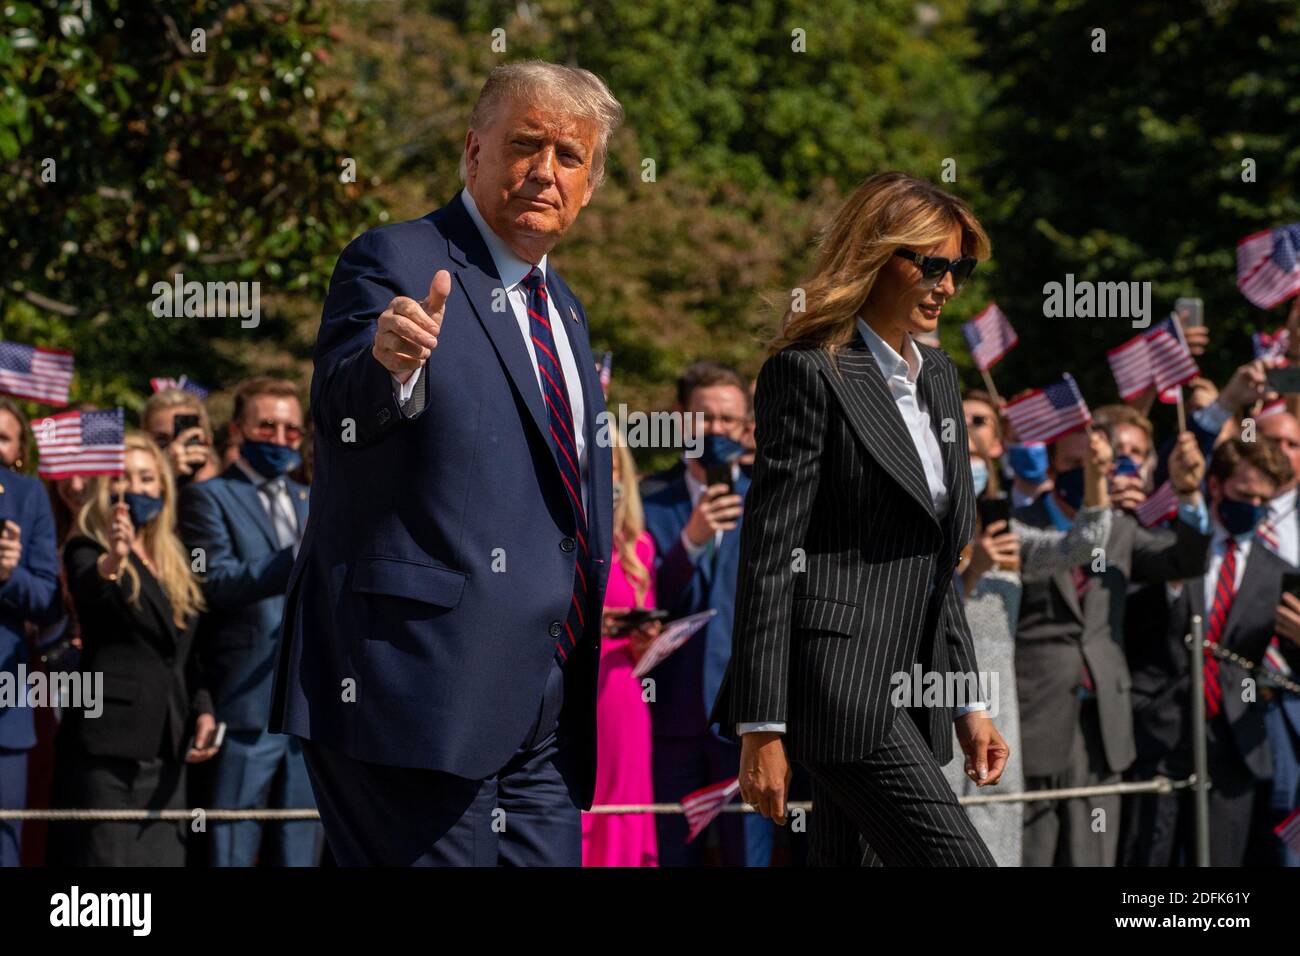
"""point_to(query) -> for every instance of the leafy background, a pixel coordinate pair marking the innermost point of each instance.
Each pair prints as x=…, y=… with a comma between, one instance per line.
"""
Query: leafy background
x=1115, y=166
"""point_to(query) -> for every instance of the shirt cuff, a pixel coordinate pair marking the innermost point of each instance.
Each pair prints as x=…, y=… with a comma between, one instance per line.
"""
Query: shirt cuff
x=404, y=390
x=1195, y=514
x=761, y=727
x=693, y=551
x=971, y=708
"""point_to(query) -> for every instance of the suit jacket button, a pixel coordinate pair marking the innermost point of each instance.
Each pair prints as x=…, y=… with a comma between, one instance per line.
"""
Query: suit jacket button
x=383, y=416
x=554, y=629
x=566, y=544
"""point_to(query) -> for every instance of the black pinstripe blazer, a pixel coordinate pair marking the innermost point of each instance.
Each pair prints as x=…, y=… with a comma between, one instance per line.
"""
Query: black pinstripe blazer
x=846, y=573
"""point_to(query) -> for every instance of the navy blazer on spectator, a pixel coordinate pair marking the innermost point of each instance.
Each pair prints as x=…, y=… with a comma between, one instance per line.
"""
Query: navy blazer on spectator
x=30, y=594
x=244, y=585
x=439, y=559
x=686, y=684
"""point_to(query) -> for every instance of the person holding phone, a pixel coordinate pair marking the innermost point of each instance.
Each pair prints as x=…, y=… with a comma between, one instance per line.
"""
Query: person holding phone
x=1005, y=549
x=178, y=423
x=623, y=730
x=694, y=514
x=139, y=607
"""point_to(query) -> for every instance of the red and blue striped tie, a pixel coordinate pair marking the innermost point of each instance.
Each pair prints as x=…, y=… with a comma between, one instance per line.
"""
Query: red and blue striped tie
x=1225, y=588
x=560, y=423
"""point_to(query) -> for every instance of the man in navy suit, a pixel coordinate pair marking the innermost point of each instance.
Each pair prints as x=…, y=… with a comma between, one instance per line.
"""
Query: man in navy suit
x=696, y=530
x=245, y=526
x=29, y=591
x=442, y=626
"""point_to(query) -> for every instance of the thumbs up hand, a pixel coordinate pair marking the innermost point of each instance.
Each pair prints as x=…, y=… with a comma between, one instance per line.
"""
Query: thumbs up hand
x=408, y=330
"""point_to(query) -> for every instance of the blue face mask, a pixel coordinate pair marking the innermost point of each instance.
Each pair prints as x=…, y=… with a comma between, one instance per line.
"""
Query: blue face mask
x=268, y=459
x=142, y=508
x=1240, y=517
x=979, y=475
x=1069, y=485
x=1126, y=467
x=1028, y=462
x=720, y=450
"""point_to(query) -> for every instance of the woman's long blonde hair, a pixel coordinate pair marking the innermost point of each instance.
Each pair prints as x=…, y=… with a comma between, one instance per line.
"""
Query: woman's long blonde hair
x=629, y=521
x=887, y=212
x=160, y=540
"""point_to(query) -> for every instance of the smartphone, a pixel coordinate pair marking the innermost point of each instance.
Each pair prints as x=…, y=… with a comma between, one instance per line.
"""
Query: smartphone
x=996, y=508
x=217, y=738
x=1191, y=310
x=627, y=623
x=1285, y=381
x=1291, y=584
x=719, y=474
x=183, y=423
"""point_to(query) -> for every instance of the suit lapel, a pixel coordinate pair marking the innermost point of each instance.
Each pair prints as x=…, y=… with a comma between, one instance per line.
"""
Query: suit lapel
x=247, y=499
x=478, y=279
x=876, y=420
x=944, y=405
x=159, y=609
x=299, y=495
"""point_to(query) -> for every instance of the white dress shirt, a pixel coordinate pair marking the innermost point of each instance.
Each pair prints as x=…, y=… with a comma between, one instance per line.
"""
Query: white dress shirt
x=512, y=270
x=900, y=376
x=1218, y=548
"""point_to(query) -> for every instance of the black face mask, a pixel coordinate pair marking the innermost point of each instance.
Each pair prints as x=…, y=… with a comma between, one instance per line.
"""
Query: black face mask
x=1240, y=517
x=1069, y=485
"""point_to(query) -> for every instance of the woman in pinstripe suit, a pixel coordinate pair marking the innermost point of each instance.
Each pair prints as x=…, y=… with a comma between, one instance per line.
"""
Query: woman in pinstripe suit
x=860, y=505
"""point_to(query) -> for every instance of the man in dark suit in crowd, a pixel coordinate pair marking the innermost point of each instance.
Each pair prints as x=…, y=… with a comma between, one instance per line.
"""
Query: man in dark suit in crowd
x=246, y=526
x=442, y=628
x=696, y=531
x=1072, y=678
x=1237, y=599
x=29, y=591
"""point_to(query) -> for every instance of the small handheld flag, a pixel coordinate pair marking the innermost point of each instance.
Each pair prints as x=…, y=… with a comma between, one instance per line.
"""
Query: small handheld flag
x=1046, y=414
x=81, y=443
x=1268, y=265
x=703, y=805
x=30, y=371
x=990, y=336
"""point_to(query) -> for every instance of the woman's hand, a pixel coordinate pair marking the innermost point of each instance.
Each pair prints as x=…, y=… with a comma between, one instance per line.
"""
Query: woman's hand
x=205, y=729
x=186, y=455
x=642, y=638
x=997, y=546
x=609, y=620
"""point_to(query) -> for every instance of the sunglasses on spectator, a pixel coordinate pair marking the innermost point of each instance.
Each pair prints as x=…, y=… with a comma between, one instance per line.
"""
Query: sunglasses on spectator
x=266, y=429
x=933, y=267
x=979, y=421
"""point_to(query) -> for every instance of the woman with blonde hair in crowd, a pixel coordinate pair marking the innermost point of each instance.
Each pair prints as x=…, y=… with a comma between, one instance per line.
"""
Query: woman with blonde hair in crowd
x=139, y=607
x=623, y=738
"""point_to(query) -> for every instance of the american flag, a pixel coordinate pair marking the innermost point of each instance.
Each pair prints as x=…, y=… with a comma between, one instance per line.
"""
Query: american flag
x=1268, y=270
x=990, y=336
x=81, y=443
x=1288, y=831
x=1273, y=659
x=606, y=371
x=1275, y=407
x=1046, y=414
x=1270, y=345
x=1171, y=361
x=1130, y=363
x=30, y=371
x=1160, y=505
x=670, y=638
x=703, y=805
x=183, y=384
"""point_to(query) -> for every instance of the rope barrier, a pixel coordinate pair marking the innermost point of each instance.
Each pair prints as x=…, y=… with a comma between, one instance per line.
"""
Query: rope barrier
x=1155, y=785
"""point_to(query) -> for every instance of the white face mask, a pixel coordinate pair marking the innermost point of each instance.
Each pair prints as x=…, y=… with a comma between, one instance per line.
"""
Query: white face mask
x=618, y=493
x=979, y=474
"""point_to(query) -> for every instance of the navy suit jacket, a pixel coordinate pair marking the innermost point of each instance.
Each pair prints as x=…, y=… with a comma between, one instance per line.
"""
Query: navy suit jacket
x=438, y=564
x=31, y=593
x=244, y=585
x=687, y=683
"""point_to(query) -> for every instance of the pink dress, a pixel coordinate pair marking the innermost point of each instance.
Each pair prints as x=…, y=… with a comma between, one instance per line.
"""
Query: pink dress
x=622, y=741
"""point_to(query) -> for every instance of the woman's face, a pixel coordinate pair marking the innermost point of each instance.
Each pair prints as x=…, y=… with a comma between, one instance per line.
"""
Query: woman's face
x=11, y=436
x=141, y=476
x=898, y=293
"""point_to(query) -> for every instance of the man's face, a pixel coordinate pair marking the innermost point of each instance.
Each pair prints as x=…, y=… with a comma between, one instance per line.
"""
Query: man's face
x=982, y=427
x=1132, y=441
x=530, y=171
x=1246, y=483
x=1285, y=430
x=1069, y=452
x=723, y=408
x=272, y=418
x=11, y=436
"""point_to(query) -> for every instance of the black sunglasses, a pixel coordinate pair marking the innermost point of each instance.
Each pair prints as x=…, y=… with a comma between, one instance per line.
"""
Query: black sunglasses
x=933, y=267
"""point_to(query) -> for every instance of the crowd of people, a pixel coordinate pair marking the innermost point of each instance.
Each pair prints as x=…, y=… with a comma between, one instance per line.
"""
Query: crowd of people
x=169, y=580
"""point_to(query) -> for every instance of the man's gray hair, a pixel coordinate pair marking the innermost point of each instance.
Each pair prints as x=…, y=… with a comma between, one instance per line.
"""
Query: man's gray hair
x=565, y=89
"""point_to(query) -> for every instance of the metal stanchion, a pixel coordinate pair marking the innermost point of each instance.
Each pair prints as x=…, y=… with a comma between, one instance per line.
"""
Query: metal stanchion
x=1200, y=769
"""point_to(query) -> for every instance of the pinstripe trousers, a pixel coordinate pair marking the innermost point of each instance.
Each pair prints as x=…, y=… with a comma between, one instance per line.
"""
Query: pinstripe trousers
x=893, y=807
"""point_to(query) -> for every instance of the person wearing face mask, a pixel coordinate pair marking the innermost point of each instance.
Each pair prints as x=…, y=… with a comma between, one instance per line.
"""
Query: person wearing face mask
x=1072, y=677
x=139, y=607
x=696, y=530
x=1027, y=462
x=247, y=524
x=29, y=591
x=991, y=584
x=1238, y=599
